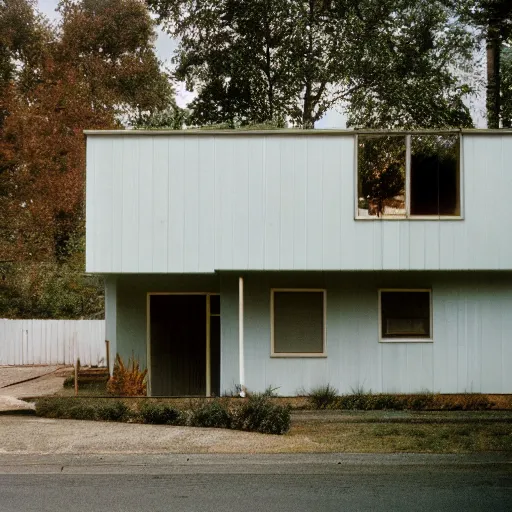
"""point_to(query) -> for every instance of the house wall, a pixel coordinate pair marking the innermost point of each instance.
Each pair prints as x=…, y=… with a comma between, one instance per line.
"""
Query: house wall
x=472, y=331
x=179, y=202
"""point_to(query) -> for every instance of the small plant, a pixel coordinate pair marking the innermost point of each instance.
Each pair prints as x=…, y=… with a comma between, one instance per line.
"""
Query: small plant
x=323, y=397
x=270, y=392
x=210, y=414
x=127, y=380
x=160, y=414
x=259, y=414
x=69, y=382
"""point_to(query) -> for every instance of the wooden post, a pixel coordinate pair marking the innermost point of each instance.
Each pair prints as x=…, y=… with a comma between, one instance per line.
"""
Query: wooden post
x=77, y=369
x=107, y=348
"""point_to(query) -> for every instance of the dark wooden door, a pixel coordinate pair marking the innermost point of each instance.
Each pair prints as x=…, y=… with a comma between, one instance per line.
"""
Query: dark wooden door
x=178, y=345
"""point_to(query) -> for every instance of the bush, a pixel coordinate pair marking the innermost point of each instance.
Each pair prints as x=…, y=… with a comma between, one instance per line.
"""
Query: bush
x=211, y=414
x=127, y=380
x=323, y=397
x=259, y=414
x=113, y=411
x=51, y=407
x=160, y=414
x=79, y=409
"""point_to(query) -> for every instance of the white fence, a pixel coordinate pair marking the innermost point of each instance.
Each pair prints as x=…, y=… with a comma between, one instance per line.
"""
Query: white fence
x=52, y=342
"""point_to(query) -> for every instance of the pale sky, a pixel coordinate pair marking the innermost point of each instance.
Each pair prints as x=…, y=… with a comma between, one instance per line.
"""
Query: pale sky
x=333, y=119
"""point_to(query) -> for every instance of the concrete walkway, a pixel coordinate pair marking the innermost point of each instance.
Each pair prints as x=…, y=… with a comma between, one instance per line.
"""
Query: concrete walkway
x=17, y=382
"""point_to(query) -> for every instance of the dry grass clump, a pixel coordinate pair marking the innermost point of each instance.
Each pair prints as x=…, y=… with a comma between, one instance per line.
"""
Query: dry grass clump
x=127, y=380
x=326, y=397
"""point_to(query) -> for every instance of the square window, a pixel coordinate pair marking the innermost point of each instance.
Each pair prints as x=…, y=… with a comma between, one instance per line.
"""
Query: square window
x=405, y=176
x=405, y=315
x=298, y=322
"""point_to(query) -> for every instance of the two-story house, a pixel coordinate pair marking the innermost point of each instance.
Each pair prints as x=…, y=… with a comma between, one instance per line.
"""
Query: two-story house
x=293, y=259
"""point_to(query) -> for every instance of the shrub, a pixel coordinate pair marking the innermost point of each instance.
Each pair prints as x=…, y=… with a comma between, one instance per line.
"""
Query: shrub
x=51, y=407
x=81, y=411
x=127, y=380
x=113, y=411
x=160, y=414
x=210, y=414
x=323, y=397
x=259, y=414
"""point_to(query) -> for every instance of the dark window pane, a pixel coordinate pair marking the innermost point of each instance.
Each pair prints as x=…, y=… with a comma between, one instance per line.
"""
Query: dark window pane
x=405, y=314
x=381, y=175
x=435, y=181
x=215, y=304
x=298, y=322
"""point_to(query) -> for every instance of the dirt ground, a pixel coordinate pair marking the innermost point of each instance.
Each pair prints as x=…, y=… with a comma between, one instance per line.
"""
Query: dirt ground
x=33, y=380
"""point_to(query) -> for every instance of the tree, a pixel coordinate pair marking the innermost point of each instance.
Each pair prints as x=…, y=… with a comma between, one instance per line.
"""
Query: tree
x=506, y=88
x=421, y=66
x=96, y=69
x=257, y=61
x=493, y=18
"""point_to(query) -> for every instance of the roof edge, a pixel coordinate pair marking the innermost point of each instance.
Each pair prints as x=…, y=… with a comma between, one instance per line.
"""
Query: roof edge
x=294, y=132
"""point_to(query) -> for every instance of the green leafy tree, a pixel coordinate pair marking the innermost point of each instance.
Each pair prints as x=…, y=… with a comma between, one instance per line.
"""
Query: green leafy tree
x=493, y=20
x=421, y=63
x=283, y=61
x=506, y=88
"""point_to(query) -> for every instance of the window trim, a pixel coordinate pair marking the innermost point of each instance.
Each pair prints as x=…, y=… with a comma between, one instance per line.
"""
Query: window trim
x=275, y=354
x=408, y=216
x=430, y=339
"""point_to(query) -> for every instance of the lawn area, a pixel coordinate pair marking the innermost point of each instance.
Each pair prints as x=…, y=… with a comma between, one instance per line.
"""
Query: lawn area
x=394, y=432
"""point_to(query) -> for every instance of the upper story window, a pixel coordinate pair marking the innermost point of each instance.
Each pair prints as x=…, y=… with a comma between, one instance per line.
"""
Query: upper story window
x=408, y=176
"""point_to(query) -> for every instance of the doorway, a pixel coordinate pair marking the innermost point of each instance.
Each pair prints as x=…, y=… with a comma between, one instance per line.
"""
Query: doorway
x=184, y=344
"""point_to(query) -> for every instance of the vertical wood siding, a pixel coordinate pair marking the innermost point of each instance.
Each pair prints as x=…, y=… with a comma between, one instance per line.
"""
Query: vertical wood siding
x=472, y=332
x=52, y=342
x=188, y=203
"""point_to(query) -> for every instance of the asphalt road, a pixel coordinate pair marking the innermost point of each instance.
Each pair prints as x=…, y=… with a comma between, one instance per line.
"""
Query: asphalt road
x=267, y=483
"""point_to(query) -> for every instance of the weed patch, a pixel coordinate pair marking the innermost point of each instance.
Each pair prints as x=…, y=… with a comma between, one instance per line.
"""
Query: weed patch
x=323, y=397
x=326, y=397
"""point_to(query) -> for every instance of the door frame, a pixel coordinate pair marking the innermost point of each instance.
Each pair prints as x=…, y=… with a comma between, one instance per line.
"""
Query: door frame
x=207, y=336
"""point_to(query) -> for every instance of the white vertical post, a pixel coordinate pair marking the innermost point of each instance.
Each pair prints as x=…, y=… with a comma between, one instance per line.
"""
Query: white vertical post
x=241, y=334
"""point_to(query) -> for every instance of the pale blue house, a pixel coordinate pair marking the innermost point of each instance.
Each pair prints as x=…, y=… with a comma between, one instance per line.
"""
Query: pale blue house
x=293, y=259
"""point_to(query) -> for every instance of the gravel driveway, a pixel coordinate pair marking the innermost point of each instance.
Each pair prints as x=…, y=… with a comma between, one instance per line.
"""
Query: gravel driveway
x=31, y=435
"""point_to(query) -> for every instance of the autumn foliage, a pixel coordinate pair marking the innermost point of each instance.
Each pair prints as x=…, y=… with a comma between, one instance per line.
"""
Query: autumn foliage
x=95, y=70
x=127, y=380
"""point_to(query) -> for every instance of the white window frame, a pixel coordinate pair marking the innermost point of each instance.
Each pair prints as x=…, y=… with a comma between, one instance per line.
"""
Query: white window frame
x=408, y=215
x=273, y=353
x=430, y=339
